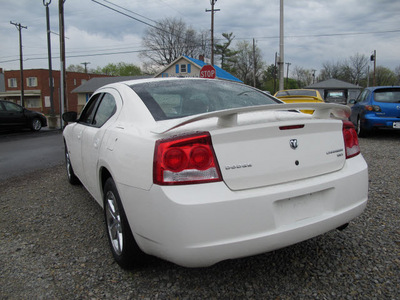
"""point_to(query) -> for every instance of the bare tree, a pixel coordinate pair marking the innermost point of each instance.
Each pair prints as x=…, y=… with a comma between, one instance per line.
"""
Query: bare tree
x=303, y=76
x=359, y=65
x=169, y=39
x=245, y=59
x=76, y=68
x=397, y=72
x=330, y=70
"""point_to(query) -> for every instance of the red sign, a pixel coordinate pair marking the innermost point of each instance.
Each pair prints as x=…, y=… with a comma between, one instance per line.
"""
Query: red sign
x=208, y=71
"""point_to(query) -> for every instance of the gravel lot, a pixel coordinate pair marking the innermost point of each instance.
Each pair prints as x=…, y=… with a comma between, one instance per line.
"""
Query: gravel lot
x=53, y=246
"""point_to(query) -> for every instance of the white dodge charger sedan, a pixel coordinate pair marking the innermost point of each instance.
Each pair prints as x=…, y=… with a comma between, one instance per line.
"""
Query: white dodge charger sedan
x=197, y=171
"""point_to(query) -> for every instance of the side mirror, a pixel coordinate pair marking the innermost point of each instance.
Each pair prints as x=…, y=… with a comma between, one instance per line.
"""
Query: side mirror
x=70, y=116
x=352, y=101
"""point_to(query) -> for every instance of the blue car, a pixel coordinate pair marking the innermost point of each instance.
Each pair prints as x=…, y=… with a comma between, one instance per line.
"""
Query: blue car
x=376, y=108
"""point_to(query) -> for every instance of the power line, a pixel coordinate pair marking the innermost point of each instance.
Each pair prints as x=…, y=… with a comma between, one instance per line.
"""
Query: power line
x=325, y=34
x=130, y=11
x=136, y=19
x=129, y=16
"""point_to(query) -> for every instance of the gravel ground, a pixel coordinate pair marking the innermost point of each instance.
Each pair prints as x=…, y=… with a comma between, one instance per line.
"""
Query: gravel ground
x=53, y=246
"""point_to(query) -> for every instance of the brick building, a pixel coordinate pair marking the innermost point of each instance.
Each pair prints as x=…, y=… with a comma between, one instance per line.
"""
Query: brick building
x=37, y=89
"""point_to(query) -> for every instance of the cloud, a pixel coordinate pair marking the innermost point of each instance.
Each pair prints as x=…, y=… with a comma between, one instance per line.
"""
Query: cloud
x=316, y=31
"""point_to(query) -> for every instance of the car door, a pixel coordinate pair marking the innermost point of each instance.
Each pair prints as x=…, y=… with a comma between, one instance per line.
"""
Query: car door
x=357, y=108
x=75, y=142
x=13, y=115
x=93, y=135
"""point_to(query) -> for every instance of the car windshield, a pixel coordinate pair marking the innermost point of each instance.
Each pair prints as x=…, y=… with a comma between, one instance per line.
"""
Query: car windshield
x=180, y=98
x=387, y=95
x=297, y=93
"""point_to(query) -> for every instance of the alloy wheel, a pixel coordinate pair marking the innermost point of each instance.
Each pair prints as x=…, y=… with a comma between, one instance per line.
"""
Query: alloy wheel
x=114, y=227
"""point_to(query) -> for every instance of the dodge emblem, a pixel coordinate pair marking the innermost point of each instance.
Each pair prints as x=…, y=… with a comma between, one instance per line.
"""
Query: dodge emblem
x=293, y=144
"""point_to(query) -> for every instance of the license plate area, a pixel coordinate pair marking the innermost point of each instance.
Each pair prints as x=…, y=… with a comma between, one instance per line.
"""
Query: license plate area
x=292, y=210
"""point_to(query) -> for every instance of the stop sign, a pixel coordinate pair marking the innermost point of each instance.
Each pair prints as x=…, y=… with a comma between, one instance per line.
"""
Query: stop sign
x=208, y=71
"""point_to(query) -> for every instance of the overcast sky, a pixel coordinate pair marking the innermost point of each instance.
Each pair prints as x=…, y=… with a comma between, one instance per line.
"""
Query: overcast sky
x=316, y=31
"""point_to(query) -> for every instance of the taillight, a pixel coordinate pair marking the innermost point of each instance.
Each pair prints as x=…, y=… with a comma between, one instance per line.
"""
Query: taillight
x=374, y=108
x=185, y=160
x=350, y=139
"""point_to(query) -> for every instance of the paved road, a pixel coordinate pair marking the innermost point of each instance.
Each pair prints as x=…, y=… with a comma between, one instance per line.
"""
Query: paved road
x=25, y=152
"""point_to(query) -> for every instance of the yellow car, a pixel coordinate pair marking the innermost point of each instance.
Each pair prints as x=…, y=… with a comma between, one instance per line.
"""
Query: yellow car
x=299, y=95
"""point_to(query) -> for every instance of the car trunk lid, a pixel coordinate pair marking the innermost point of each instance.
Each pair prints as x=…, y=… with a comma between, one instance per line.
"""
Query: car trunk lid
x=273, y=153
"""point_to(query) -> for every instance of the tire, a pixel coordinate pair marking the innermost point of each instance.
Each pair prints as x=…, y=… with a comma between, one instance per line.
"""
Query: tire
x=72, y=179
x=123, y=246
x=361, y=132
x=36, y=124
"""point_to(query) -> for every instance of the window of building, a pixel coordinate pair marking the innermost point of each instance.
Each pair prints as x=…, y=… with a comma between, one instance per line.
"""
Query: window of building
x=183, y=68
x=32, y=103
x=12, y=82
x=31, y=81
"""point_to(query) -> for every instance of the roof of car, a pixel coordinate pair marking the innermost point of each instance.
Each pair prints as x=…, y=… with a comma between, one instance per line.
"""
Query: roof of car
x=373, y=88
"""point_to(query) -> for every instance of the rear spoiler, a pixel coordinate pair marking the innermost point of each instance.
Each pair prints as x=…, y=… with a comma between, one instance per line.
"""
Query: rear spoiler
x=228, y=117
x=300, y=97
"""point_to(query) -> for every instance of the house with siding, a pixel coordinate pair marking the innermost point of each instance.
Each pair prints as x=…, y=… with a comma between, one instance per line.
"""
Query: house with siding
x=185, y=66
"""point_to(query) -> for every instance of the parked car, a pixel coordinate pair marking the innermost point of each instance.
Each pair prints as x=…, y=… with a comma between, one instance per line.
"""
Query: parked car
x=299, y=96
x=376, y=108
x=196, y=171
x=336, y=96
x=15, y=116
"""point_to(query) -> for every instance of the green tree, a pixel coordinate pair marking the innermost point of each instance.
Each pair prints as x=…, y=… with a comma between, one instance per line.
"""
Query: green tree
x=227, y=55
x=269, y=79
x=384, y=76
x=120, y=69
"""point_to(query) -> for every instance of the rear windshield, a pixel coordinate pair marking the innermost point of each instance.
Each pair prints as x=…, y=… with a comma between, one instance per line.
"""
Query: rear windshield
x=387, y=95
x=297, y=93
x=180, y=98
x=336, y=94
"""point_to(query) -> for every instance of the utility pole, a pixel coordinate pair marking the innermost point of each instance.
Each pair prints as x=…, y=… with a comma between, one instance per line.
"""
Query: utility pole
x=287, y=77
x=212, y=2
x=21, y=67
x=313, y=75
x=281, y=56
x=85, y=64
x=52, y=120
x=62, y=59
x=373, y=58
x=254, y=62
x=275, y=71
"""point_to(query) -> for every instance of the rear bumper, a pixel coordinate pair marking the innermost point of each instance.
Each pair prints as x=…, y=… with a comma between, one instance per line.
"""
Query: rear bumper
x=199, y=225
x=371, y=121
